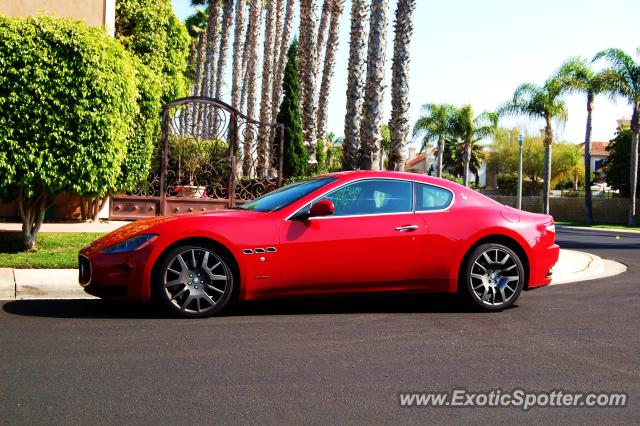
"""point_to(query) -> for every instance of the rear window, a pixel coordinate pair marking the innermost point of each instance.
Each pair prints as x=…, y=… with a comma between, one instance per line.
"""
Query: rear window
x=429, y=197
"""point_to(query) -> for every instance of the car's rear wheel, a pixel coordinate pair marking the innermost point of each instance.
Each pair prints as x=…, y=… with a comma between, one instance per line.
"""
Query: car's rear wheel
x=492, y=277
x=194, y=281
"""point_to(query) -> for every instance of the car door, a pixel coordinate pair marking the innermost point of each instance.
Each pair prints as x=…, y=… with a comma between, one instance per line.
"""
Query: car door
x=433, y=204
x=371, y=241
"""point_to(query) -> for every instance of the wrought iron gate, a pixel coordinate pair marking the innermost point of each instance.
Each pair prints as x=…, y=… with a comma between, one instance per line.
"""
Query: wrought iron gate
x=209, y=156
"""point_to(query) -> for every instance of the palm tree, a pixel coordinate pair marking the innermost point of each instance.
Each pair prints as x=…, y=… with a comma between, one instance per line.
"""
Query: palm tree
x=374, y=89
x=309, y=77
x=281, y=58
x=238, y=53
x=470, y=130
x=197, y=26
x=325, y=18
x=576, y=75
x=265, y=102
x=540, y=102
x=624, y=74
x=255, y=23
x=329, y=62
x=213, y=9
x=435, y=126
x=453, y=157
x=355, y=83
x=399, y=123
x=277, y=37
x=225, y=38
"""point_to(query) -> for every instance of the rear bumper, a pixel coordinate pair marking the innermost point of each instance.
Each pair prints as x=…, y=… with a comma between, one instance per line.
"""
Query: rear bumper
x=541, y=267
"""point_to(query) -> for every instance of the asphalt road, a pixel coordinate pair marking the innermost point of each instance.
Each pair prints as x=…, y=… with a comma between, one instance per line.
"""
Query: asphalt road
x=326, y=361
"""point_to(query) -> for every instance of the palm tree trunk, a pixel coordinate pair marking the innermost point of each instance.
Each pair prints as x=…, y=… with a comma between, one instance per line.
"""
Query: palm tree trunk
x=197, y=88
x=277, y=44
x=303, y=33
x=440, y=156
x=635, y=135
x=245, y=56
x=238, y=53
x=265, y=103
x=284, y=41
x=309, y=81
x=548, y=146
x=325, y=18
x=355, y=84
x=227, y=24
x=329, y=62
x=588, y=206
x=212, y=47
x=466, y=158
x=255, y=24
x=370, y=136
x=399, y=123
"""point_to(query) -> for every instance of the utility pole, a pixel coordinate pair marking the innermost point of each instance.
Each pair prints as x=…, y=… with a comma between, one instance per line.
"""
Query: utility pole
x=520, y=143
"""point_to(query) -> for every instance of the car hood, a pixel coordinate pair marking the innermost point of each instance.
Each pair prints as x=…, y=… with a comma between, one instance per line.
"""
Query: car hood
x=155, y=224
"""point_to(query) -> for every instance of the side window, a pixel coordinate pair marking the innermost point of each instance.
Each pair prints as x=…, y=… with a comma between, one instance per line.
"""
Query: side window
x=432, y=197
x=372, y=196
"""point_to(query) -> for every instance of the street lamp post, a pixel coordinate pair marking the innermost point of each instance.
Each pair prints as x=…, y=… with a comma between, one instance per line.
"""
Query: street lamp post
x=519, y=200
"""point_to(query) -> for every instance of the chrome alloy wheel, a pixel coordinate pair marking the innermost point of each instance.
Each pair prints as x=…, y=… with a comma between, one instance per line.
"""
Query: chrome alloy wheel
x=196, y=280
x=495, y=277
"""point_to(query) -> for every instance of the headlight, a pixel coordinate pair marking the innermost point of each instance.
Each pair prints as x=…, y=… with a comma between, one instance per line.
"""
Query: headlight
x=130, y=245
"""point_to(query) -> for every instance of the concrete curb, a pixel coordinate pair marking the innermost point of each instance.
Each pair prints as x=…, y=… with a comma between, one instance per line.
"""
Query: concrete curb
x=40, y=284
x=576, y=266
x=572, y=266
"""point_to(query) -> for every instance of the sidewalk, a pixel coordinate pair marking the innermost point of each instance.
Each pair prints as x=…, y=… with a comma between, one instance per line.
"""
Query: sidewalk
x=69, y=226
x=590, y=228
x=572, y=266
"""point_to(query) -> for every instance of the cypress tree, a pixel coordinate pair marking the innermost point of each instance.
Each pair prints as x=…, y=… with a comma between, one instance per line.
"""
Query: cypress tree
x=295, y=153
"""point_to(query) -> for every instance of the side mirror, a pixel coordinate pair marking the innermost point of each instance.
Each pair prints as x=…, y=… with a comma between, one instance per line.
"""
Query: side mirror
x=322, y=208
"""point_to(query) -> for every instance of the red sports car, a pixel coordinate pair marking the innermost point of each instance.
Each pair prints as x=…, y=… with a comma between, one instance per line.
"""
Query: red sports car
x=341, y=233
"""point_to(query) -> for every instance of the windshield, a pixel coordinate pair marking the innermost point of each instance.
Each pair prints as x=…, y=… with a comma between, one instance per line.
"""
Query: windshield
x=286, y=195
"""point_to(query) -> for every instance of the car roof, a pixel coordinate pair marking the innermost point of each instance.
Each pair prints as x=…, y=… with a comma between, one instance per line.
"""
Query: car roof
x=360, y=174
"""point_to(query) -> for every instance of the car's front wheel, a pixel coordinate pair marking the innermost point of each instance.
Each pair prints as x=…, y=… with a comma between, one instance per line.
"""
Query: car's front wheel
x=492, y=277
x=193, y=281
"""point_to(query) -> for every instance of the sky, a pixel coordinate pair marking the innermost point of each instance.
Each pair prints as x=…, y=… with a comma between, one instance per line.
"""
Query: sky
x=478, y=52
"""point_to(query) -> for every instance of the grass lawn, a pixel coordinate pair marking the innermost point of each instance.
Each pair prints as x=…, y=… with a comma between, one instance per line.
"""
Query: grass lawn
x=56, y=250
x=601, y=226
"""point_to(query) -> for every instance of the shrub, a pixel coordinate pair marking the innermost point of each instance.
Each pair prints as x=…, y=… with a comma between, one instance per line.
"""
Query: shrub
x=67, y=106
x=507, y=183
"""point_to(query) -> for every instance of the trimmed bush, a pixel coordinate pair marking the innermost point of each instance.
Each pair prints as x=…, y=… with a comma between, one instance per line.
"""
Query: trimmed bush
x=68, y=100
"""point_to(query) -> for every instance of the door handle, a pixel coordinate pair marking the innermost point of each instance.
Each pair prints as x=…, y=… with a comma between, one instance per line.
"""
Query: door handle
x=407, y=228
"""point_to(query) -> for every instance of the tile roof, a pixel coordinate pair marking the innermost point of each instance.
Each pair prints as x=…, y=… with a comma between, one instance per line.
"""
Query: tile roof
x=415, y=160
x=597, y=148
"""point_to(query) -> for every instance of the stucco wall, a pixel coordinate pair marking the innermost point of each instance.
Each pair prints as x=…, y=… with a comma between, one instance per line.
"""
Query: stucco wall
x=93, y=12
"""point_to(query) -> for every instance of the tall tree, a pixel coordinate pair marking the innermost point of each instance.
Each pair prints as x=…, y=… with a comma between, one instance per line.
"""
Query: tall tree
x=625, y=73
x=213, y=9
x=294, y=151
x=355, y=84
x=470, y=130
x=370, y=137
x=255, y=24
x=323, y=27
x=576, y=75
x=287, y=25
x=225, y=38
x=435, y=126
x=265, y=103
x=245, y=60
x=277, y=37
x=309, y=25
x=237, y=74
x=540, y=102
x=399, y=123
x=335, y=12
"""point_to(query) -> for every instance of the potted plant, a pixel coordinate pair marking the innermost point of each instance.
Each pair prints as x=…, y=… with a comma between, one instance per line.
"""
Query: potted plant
x=192, y=156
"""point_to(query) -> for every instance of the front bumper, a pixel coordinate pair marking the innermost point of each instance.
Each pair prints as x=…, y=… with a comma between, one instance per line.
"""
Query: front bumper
x=114, y=276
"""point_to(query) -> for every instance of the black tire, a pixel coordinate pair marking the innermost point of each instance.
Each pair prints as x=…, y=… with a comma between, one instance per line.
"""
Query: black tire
x=185, y=289
x=491, y=278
